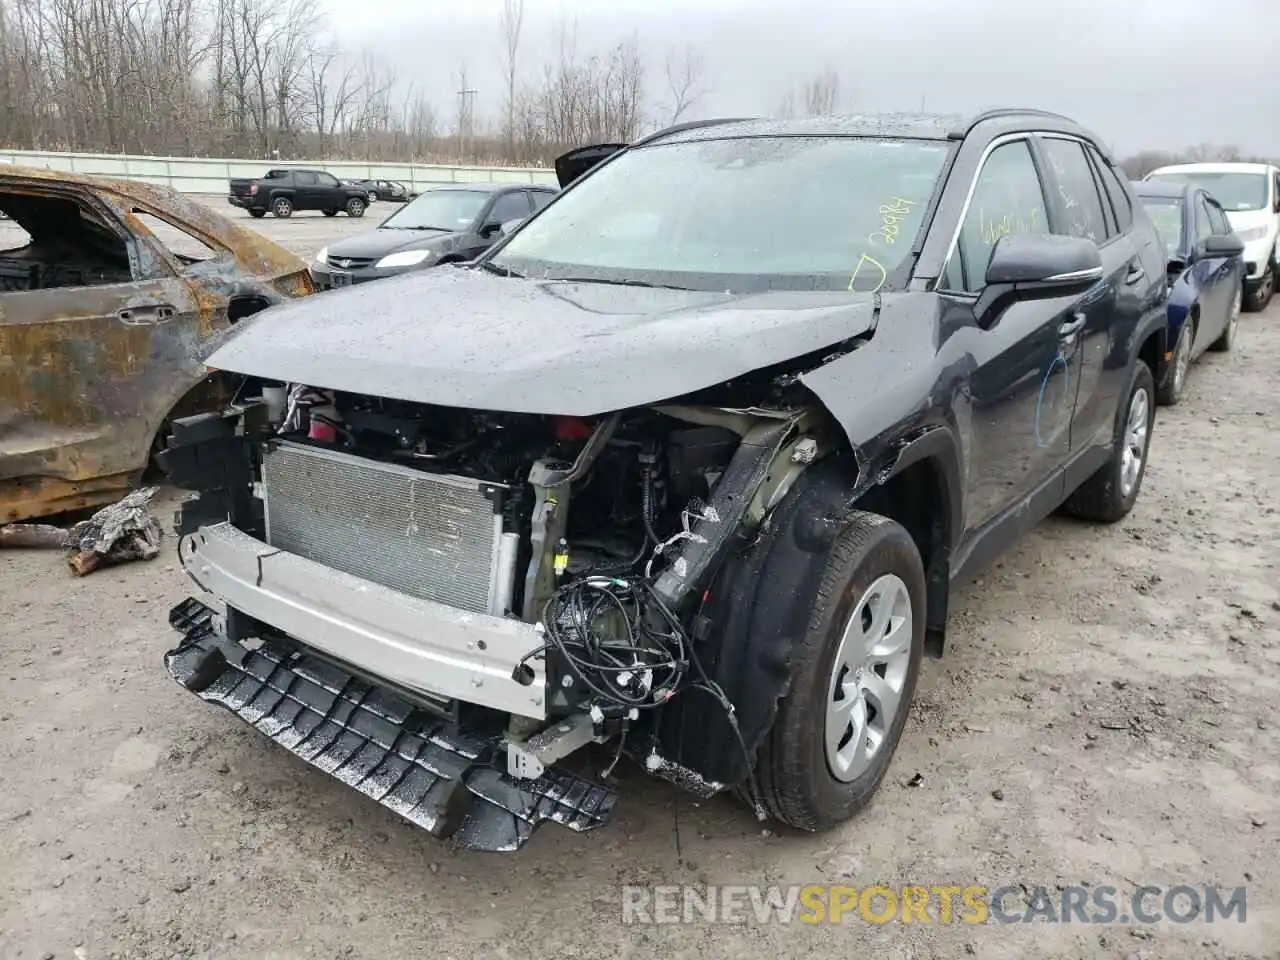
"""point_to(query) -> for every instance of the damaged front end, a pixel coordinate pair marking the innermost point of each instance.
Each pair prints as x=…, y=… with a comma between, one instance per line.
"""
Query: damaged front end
x=442, y=607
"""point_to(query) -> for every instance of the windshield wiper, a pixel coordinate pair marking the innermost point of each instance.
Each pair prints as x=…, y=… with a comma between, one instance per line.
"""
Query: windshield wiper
x=621, y=282
x=489, y=267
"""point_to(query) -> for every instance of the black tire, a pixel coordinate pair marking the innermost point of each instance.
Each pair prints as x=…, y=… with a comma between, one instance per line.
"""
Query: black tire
x=257, y=214
x=796, y=781
x=282, y=207
x=1101, y=498
x=1169, y=390
x=331, y=213
x=373, y=197
x=1227, y=340
x=355, y=207
x=1260, y=296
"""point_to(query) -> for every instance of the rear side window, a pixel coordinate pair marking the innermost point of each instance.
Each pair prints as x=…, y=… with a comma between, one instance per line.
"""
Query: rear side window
x=1074, y=194
x=540, y=199
x=1115, y=191
x=304, y=178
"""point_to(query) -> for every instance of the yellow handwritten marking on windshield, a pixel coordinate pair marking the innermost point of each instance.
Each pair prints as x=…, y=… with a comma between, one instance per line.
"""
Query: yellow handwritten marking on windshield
x=857, y=269
x=993, y=230
x=891, y=216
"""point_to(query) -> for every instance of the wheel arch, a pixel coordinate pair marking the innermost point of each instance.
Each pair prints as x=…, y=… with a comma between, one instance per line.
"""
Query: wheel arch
x=923, y=491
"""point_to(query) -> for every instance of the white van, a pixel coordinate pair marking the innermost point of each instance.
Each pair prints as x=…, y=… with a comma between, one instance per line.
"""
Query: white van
x=1250, y=194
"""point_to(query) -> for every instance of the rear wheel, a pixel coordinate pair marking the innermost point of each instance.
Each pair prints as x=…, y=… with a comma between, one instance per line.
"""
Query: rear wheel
x=1225, y=342
x=1170, y=390
x=257, y=214
x=355, y=207
x=282, y=207
x=1110, y=494
x=853, y=676
x=1260, y=295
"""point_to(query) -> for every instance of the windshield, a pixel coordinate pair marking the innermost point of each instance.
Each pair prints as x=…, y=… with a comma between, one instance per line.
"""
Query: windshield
x=743, y=215
x=1235, y=191
x=439, y=210
x=1166, y=214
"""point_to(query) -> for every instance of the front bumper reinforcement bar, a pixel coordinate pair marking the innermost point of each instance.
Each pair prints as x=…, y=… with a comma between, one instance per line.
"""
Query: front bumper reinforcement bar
x=450, y=782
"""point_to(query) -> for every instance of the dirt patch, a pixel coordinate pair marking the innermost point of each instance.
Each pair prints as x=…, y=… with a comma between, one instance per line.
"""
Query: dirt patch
x=1106, y=715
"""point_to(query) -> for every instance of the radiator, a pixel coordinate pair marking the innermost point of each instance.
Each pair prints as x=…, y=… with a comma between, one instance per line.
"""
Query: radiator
x=432, y=536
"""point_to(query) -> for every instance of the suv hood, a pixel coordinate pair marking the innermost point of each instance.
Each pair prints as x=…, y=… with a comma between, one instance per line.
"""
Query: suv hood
x=384, y=240
x=465, y=338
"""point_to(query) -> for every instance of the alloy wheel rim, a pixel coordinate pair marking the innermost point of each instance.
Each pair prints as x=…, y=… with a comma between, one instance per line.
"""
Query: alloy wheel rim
x=868, y=677
x=1135, y=442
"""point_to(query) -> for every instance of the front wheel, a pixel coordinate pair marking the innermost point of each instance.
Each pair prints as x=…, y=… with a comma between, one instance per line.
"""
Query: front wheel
x=355, y=207
x=853, y=676
x=1170, y=390
x=1260, y=295
x=282, y=207
x=1110, y=494
x=1225, y=342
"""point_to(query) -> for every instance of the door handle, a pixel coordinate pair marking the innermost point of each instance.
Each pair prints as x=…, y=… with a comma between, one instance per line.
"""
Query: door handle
x=1070, y=328
x=1135, y=274
x=146, y=313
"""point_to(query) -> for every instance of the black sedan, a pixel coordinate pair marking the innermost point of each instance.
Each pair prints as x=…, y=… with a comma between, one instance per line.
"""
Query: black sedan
x=444, y=225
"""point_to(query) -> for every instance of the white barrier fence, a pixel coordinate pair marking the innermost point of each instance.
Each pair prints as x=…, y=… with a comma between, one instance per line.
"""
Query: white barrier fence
x=194, y=175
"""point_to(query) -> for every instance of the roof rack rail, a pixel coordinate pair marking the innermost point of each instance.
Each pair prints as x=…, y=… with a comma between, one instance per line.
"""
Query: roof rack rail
x=959, y=133
x=688, y=125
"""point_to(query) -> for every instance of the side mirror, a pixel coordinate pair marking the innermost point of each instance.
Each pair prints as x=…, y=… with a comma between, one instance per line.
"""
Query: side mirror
x=1036, y=266
x=1223, y=245
x=510, y=225
x=490, y=230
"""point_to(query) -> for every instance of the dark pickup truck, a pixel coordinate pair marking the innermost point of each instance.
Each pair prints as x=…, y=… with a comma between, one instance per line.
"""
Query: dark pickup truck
x=284, y=191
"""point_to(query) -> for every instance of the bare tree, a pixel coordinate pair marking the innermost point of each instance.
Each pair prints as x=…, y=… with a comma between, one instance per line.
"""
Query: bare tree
x=686, y=80
x=511, y=21
x=265, y=78
x=822, y=94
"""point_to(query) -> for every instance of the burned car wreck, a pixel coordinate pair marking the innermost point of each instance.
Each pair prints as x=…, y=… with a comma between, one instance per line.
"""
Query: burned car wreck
x=109, y=292
x=704, y=508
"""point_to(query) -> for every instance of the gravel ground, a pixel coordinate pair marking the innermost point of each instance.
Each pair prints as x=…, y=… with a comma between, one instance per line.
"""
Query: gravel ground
x=1105, y=715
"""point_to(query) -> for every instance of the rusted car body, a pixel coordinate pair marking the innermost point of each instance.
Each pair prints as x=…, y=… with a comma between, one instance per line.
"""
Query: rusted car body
x=107, y=305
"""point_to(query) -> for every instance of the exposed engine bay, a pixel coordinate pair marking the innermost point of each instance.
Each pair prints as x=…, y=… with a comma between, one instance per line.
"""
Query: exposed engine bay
x=575, y=555
x=594, y=511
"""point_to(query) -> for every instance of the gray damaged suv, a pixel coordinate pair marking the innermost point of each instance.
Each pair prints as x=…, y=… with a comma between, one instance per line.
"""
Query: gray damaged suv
x=684, y=469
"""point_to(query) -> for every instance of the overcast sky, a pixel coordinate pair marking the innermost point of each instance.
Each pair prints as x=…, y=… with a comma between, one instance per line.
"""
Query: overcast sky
x=1141, y=73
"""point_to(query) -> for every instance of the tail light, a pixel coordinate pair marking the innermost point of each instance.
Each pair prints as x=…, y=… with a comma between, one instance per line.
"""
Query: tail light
x=253, y=189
